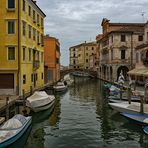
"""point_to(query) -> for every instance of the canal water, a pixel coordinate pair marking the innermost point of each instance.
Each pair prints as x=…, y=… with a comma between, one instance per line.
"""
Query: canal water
x=81, y=118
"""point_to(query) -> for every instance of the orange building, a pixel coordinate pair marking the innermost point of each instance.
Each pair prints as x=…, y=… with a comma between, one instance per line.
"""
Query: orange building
x=52, y=58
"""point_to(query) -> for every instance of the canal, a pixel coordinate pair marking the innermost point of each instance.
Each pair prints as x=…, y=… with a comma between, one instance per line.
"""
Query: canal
x=81, y=118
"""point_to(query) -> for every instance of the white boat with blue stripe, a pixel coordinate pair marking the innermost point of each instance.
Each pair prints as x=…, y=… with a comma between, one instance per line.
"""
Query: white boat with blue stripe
x=13, y=129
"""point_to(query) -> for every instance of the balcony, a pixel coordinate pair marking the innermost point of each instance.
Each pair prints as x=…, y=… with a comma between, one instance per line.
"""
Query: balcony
x=36, y=64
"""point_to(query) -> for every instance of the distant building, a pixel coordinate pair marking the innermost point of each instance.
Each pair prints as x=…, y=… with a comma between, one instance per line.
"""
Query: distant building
x=52, y=58
x=21, y=45
x=117, y=48
x=80, y=55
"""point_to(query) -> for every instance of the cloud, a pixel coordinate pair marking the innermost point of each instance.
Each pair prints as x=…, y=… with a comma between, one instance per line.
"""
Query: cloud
x=74, y=21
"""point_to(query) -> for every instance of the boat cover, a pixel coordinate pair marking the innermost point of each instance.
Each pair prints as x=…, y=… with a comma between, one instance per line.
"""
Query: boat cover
x=11, y=124
x=39, y=98
x=21, y=118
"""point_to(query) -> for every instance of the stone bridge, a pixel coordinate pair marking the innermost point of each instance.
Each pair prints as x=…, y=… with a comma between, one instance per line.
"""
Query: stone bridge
x=68, y=71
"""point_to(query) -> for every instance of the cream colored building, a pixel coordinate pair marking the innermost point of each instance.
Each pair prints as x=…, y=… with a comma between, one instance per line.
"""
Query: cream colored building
x=117, y=48
x=21, y=45
x=80, y=55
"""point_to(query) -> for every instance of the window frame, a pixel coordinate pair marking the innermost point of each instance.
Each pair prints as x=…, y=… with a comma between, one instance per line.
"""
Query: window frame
x=9, y=8
x=8, y=53
x=14, y=29
x=24, y=5
x=123, y=39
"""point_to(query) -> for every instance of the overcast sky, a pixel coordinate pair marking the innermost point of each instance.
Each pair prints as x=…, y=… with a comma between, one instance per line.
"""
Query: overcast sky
x=77, y=21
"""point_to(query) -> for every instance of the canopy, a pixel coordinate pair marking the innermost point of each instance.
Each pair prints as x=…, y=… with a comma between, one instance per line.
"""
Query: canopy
x=139, y=72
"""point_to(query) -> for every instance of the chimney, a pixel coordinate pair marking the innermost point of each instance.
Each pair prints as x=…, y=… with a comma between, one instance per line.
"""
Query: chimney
x=34, y=1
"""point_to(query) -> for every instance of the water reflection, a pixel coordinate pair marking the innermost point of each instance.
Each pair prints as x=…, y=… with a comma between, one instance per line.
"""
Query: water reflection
x=82, y=118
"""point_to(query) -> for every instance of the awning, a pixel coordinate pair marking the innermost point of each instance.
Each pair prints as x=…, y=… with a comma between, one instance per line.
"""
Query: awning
x=139, y=72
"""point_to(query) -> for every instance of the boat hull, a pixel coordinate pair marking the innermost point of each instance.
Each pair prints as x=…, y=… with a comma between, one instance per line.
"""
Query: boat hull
x=17, y=135
x=134, y=107
x=41, y=108
x=137, y=118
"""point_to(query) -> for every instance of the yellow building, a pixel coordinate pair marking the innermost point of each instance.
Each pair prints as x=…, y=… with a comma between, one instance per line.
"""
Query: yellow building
x=80, y=55
x=21, y=45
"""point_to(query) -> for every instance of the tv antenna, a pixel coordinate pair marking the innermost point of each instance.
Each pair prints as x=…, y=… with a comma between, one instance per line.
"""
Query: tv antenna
x=142, y=14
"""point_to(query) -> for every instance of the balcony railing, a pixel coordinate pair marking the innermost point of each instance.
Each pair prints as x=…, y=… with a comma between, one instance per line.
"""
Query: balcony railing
x=36, y=64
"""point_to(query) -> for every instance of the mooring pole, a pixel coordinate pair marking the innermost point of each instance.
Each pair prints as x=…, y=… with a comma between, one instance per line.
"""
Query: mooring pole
x=31, y=90
x=7, y=108
x=129, y=94
x=141, y=105
x=120, y=92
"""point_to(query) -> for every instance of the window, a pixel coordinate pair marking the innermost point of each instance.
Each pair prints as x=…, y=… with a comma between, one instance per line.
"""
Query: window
x=74, y=62
x=111, y=54
x=42, y=22
x=140, y=38
x=86, y=54
x=24, y=53
x=122, y=38
x=24, y=28
x=11, y=4
x=29, y=10
x=42, y=41
x=42, y=57
x=38, y=37
x=74, y=55
x=122, y=54
x=34, y=34
x=33, y=15
x=42, y=76
x=92, y=48
x=11, y=27
x=37, y=18
x=57, y=61
x=29, y=53
x=112, y=38
x=24, y=5
x=24, y=79
x=74, y=49
x=137, y=57
x=86, y=60
x=29, y=31
x=32, y=77
x=11, y=53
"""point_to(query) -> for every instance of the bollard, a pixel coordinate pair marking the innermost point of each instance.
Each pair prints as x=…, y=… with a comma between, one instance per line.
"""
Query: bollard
x=120, y=92
x=24, y=104
x=141, y=105
x=7, y=108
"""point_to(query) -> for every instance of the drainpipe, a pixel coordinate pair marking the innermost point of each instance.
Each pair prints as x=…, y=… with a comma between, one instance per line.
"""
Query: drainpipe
x=18, y=76
x=131, y=62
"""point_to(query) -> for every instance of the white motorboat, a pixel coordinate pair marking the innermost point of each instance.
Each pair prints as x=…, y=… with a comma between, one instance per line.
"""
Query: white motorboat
x=60, y=87
x=40, y=101
x=134, y=107
x=68, y=80
x=13, y=129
